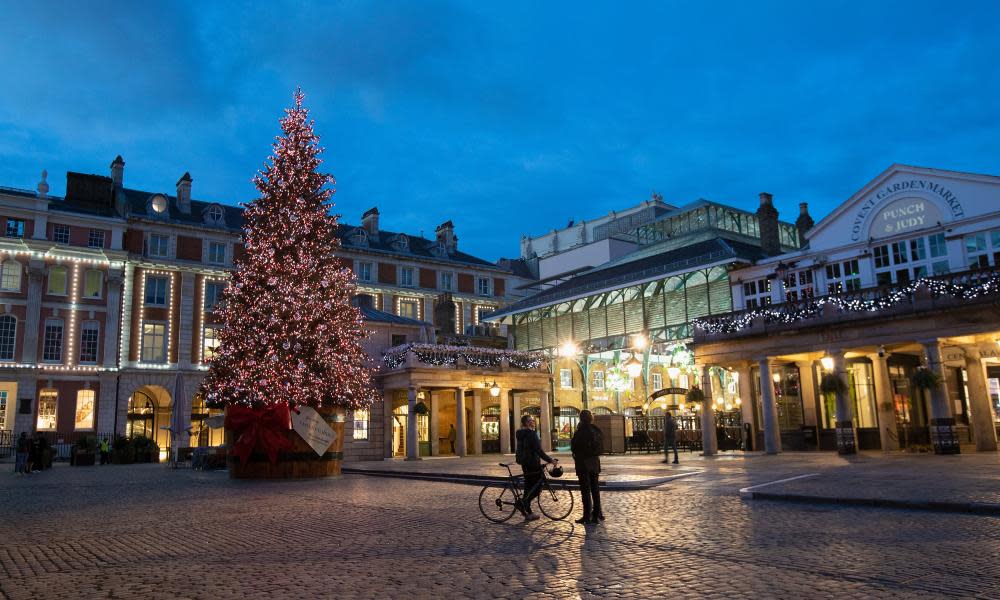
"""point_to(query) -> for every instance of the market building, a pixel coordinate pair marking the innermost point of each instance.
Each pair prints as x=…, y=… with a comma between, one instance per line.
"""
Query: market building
x=901, y=280
x=617, y=333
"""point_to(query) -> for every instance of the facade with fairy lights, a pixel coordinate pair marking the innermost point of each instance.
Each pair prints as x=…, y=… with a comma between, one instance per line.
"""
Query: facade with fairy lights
x=108, y=295
x=883, y=332
x=618, y=334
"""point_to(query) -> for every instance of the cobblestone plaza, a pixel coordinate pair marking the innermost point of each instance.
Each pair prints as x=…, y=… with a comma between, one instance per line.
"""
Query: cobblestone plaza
x=146, y=531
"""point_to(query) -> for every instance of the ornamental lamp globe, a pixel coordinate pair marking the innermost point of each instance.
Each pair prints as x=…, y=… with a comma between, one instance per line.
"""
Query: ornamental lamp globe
x=673, y=372
x=494, y=390
x=827, y=363
x=639, y=342
x=634, y=367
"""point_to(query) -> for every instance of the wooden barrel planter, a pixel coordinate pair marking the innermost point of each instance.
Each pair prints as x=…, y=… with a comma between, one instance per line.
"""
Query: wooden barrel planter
x=301, y=462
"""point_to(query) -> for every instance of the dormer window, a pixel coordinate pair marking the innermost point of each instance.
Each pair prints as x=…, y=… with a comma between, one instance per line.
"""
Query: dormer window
x=158, y=203
x=359, y=237
x=214, y=215
x=439, y=250
x=401, y=243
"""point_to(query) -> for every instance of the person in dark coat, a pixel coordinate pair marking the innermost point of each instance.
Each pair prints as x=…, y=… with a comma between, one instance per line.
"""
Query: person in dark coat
x=530, y=455
x=587, y=447
x=669, y=437
x=23, y=449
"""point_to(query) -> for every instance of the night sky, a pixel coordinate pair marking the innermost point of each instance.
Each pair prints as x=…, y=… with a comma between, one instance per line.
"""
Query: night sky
x=506, y=118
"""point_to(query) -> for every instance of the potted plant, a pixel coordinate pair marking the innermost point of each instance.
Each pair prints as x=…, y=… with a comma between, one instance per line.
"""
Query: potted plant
x=145, y=449
x=695, y=395
x=420, y=408
x=84, y=451
x=925, y=379
x=122, y=451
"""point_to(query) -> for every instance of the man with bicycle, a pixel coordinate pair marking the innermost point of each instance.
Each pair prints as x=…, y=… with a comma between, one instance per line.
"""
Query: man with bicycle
x=529, y=455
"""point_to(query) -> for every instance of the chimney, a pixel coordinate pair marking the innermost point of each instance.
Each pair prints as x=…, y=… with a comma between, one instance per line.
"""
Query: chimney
x=767, y=219
x=369, y=221
x=444, y=314
x=445, y=233
x=804, y=223
x=118, y=171
x=184, y=193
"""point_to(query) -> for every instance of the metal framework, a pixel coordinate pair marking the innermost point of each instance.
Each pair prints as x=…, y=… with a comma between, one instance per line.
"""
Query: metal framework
x=709, y=215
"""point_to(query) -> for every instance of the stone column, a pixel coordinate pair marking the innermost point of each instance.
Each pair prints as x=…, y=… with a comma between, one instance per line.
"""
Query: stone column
x=807, y=391
x=477, y=423
x=432, y=421
x=27, y=391
x=709, y=443
x=772, y=432
x=412, y=447
x=979, y=401
x=746, y=405
x=185, y=330
x=883, y=399
x=942, y=425
x=113, y=321
x=460, y=421
x=516, y=409
x=545, y=420
x=36, y=274
x=107, y=401
x=504, y=421
x=847, y=436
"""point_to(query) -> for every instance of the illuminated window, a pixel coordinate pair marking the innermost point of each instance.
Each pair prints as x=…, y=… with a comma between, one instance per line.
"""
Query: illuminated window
x=361, y=420
x=159, y=203
x=57, y=281
x=48, y=401
x=60, y=234
x=89, y=334
x=156, y=291
x=52, y=344
x=565, y=378
x=93, y=283
x=85, y=400
x=210, y=343
x=154, y=342
x=8, y=336
x=598, y=380
x=657, y=381
x=10, y=280
x=409, y=309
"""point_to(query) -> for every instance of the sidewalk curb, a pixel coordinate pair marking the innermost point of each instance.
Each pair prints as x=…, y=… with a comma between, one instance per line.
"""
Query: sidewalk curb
x=570, y=481
x=975, y=508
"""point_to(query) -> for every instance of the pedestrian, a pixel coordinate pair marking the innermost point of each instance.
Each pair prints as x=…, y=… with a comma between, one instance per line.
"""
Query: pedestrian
x=452, y=436
x=23, y=448
x=105, y=451
x=35, y=454
x=669, y=437
x=529, y=455
x=587, y=446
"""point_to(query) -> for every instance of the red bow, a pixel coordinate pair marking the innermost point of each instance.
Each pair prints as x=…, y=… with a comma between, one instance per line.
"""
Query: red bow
x=266, y=427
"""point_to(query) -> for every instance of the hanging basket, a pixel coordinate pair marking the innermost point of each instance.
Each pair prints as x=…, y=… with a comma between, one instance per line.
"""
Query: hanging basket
x=420, y=408
x=832, y=384
x=925, y=379
x=695, y=395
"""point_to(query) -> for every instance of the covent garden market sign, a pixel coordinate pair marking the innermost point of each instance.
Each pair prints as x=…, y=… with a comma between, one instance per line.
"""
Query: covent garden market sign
x=905, y=214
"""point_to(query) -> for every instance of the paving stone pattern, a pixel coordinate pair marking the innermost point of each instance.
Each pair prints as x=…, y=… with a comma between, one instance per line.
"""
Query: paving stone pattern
x=142, y=531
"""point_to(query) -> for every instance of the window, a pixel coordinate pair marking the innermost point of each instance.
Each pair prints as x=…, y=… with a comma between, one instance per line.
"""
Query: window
x=598, y=380
x=93, y=283
x=10, y=279
x=757, y=293
x=657, y=381
x=57, y=281
x=213, y=294
x=84, y=410
x=89, y=334
x=3, y=410
x=215, y=214
x=217, y=253
x=406, y=276
x=60, y=234
x=158, y=245
x=8, y=336
x=53, y=340
x=938, y=247
x=15, y=228
x=48, y=401
x=843, y=277
x=995, y=241
x=398, y=340
x=565, y=378
x=364, y=271
x=906, y=260
x=154, y=342
x=361, y=424
x=95, y=239
x=447, y=281
x=976, y=252
x=483, y=286
x=156, y=291
x=798, y=285
x=159, y=203
x=209, y=343
x=409, y=309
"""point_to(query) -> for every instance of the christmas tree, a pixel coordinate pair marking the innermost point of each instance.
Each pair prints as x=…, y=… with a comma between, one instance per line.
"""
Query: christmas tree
x=290, y=332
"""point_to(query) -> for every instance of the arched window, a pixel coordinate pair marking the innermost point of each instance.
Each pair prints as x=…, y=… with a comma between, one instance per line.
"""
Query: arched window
x=8, y=335
x=158, y=203
x=141, y=416
x=214, y=215
x=10, y=279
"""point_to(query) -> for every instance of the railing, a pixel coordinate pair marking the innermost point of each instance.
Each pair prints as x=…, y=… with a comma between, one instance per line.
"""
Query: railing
x=964, y=285
x=458, y=357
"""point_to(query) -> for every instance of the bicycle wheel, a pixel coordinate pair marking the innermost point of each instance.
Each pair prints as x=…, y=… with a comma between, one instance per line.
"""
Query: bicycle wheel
x=497, y=503
x=555, y=500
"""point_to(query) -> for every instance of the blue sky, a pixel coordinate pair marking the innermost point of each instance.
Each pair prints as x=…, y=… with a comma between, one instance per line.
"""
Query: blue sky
x=507, y=118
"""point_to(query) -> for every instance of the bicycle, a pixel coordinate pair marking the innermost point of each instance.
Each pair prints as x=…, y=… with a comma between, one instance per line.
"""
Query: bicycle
x=498, y=504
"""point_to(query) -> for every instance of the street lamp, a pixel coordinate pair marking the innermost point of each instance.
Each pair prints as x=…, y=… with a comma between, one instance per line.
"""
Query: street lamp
x=827, y=363
x=494, y=389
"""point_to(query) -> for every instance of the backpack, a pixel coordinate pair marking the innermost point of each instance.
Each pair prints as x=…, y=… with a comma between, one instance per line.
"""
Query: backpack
x=596, y=441
x=521, y=453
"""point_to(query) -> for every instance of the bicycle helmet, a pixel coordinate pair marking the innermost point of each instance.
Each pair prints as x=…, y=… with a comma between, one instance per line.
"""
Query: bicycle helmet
x=556, y=471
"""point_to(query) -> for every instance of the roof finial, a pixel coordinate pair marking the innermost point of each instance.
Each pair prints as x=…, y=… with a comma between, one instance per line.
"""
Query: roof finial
x=43, y=186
